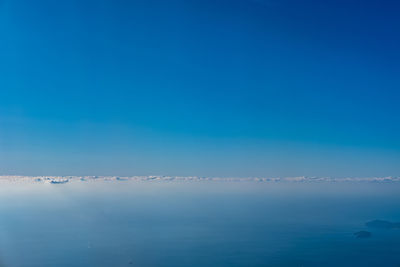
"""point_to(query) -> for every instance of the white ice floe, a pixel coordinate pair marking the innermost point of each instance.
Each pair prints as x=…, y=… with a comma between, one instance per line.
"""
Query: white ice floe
x=152, y=178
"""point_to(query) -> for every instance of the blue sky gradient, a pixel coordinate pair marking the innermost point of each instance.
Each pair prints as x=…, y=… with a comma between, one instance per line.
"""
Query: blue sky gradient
x=209, y=88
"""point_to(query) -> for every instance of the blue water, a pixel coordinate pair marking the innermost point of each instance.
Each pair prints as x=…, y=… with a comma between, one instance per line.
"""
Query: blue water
x=197, y=224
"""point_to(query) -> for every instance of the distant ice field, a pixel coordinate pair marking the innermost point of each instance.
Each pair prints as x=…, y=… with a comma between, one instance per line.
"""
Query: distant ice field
x=66, y=179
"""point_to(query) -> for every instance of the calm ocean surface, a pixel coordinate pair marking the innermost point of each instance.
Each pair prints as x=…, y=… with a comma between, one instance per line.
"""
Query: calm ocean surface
x=124, y=223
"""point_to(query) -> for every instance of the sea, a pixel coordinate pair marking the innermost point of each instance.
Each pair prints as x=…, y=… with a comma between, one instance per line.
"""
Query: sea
x=198, y=223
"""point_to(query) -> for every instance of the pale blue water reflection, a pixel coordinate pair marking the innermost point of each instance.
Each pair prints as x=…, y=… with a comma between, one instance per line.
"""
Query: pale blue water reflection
x=197, y=224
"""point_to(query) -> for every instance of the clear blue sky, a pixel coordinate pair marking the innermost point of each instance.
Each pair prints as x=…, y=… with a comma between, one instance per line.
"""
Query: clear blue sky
x=200, y=87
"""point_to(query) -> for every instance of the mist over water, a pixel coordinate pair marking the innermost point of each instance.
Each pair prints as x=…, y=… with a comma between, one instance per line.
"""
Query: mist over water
x=208, y=223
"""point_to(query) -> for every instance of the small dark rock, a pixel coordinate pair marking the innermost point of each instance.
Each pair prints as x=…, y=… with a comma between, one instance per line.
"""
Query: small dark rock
x=59, y=181
x=363, y=234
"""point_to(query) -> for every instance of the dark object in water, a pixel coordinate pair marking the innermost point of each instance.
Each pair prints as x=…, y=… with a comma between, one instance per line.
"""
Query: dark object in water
x=382, y=224
x=362, y=234
x=59, y=182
